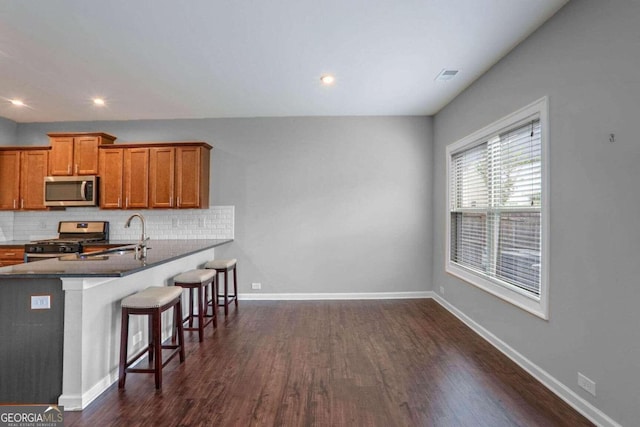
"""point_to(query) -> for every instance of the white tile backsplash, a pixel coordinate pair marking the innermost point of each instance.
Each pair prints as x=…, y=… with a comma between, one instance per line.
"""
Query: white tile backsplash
x=217, y=222
x=6, y=226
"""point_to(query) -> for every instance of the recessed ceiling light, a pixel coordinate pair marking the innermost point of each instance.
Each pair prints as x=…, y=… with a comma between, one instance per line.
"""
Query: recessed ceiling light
x=445, y=75
x=17, y=102
x=98, y=101
x=327, y=79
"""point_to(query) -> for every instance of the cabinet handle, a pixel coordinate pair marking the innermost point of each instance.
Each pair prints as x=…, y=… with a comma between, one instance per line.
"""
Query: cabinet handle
x=14, y=203
x=69, y=170
x=76, y=169
x=9, y=254
x=21, y=203
x=118, y=201
x=178, y=205
x=126, y=202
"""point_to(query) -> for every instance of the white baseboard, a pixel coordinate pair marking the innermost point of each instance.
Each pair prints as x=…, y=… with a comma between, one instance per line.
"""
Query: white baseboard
x=79, y=402
x=595, y=415
x=335, y=296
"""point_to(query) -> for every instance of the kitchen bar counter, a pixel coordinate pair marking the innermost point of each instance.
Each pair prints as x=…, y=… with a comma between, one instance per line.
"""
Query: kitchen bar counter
x=63, y=346
x=110, y=264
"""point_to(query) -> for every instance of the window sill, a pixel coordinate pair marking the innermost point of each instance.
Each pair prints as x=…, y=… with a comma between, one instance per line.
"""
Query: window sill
x=536, y=306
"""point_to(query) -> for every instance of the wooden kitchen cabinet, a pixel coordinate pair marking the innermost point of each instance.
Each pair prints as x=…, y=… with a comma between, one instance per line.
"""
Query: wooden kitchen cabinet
x=76, y=153
x=124, y=178
x=155, y=175
x=179, y=176
x=22, y=172
x=10, y=179
x=192, y=177
x=136, y=178
x=11, y=255
x=33, y=169
x=111, y=169
x=162, y=177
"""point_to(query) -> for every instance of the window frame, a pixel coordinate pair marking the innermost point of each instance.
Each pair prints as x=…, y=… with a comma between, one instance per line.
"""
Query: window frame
x=538, y=306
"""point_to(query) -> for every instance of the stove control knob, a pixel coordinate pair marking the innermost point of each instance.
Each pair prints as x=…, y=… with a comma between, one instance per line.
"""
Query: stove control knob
x=62, y=249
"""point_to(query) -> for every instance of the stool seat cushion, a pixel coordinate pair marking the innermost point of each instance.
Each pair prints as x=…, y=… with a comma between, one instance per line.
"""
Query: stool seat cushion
x=220, y=264
x=152, y=297
x=194, y=276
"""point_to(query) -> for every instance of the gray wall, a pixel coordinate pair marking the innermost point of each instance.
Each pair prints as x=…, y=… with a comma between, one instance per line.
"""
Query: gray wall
x=8, y=131
x=323, y=205
x=587, y=60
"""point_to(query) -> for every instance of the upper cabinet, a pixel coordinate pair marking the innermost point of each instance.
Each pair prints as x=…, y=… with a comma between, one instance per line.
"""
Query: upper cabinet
x=76, y=153
x=155, y=175
x=22, y=172
x=124, y=178
x=192, y=177
x=179, y=176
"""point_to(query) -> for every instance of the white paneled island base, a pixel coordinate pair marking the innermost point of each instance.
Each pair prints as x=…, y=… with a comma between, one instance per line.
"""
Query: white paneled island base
x=92, y=326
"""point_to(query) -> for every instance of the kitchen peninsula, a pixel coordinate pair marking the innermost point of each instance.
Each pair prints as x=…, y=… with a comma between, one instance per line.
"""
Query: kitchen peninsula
x=60, y=318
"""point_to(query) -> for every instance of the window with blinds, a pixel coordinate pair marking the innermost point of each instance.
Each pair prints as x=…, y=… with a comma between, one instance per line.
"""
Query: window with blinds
x=495, y=200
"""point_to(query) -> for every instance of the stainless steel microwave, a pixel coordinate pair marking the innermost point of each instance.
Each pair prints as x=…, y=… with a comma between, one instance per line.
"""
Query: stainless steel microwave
x=71, y=191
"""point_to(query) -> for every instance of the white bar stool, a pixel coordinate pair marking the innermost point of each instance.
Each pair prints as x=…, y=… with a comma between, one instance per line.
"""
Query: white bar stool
x=151, y=302
x=224, y=266
x=200, y=280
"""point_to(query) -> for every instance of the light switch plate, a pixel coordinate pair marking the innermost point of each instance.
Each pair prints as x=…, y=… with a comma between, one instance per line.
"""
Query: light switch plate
x=40, y=302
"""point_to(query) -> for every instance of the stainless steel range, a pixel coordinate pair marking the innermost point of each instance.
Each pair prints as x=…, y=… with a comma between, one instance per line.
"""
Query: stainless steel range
x=72, y=236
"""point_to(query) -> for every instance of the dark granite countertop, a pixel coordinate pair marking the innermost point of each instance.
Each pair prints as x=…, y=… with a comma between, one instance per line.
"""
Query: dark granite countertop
x=110, y=264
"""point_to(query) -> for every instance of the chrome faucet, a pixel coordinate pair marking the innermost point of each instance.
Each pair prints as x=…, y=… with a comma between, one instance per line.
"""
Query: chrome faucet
x=141, y=249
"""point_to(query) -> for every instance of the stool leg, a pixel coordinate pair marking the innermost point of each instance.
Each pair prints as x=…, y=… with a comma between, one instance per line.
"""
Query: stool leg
x=211, y=304
x=150, y=346
x=156, y=319
x=235, y=286
x=214, y=309
x=190, y=307
x=177, y=317
x=202, y=308
x=124, y=336
x=178, y=310
x=217, y=290
x=226, y=293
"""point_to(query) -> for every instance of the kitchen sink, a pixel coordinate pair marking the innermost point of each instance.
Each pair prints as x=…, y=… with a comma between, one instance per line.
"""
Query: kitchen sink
x=120, y=250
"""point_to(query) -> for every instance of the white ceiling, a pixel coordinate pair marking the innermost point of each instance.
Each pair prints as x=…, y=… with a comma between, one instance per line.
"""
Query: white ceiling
x=161, y=59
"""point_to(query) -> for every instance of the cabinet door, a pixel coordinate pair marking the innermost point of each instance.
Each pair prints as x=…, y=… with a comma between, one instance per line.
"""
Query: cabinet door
x=111, y=167
x=189, y=180
x=136, y=178
x=61, y=156
x=161, y=177
x=9, y=180
x=85, y=155
x=11, y=256
x=33, y=169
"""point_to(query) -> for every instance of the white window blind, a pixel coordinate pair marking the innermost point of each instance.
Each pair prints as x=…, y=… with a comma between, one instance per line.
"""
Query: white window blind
x=495, y=207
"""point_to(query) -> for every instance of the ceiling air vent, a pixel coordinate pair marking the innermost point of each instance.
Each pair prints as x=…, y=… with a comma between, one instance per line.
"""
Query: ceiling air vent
x=445, y=75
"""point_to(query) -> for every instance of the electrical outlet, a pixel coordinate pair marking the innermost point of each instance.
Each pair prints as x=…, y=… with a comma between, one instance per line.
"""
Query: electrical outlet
x=40, y=302
x=175, y=223
x=441, y=290
x=201, y=223
x=256, y=286
x=587, y=384
x=43, y=225
x=137, y=338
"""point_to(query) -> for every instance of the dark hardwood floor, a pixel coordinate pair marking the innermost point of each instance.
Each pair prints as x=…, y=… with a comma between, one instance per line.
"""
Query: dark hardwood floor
x=335, y=363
